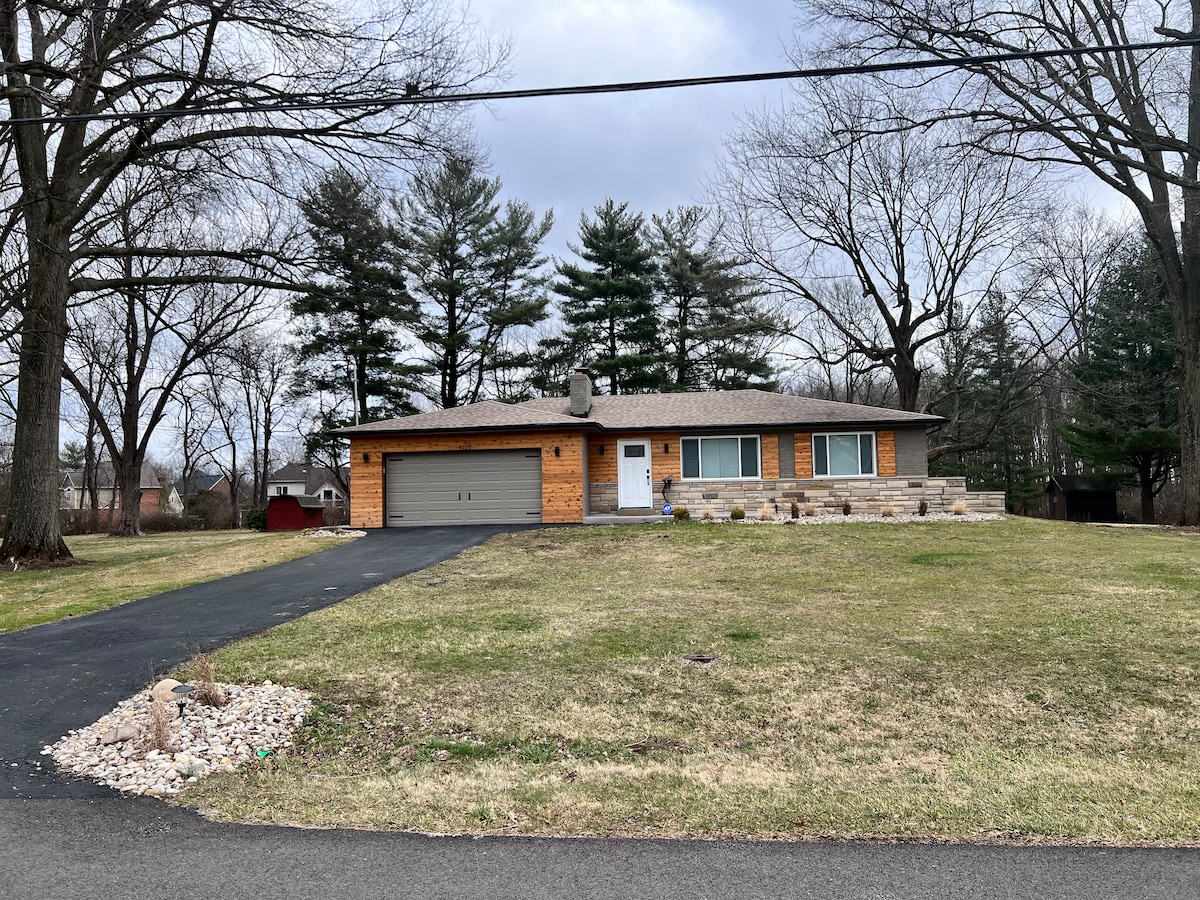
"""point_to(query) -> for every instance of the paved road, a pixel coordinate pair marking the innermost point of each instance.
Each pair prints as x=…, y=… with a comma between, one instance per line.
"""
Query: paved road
x=65, y=840
x=138, y=849
x=66, y=675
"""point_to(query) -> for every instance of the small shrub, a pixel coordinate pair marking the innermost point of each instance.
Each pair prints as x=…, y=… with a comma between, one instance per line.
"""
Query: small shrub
x=707, y=513
x=959, y=508
x=681, y=514
x=810, y=509
x=795, y=510
x=737, y=514
x=766, y=512
x=256, y=518
x=923, y=507
x=157, y=523
x=846, y=507
x=888, y=511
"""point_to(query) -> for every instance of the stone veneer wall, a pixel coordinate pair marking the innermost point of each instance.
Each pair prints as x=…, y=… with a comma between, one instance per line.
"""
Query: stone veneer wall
x=866, y=495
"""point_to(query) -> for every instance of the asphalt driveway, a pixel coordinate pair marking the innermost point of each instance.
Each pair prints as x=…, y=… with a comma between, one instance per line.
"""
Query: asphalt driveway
x=67, y=674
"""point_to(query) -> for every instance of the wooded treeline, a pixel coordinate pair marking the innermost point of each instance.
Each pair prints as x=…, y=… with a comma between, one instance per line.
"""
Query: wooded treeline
x=248, y=283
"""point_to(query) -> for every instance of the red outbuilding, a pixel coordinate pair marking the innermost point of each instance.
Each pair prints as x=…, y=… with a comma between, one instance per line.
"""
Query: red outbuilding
x=294, y=512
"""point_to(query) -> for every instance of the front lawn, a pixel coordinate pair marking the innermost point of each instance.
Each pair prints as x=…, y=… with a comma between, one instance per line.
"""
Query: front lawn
x=1016, y=680
x=124, y=569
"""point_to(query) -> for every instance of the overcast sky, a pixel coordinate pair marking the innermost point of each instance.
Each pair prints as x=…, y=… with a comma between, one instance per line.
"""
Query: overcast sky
x=652, y=149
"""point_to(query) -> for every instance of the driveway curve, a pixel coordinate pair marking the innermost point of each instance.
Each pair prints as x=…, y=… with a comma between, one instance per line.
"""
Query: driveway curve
x=67, y=674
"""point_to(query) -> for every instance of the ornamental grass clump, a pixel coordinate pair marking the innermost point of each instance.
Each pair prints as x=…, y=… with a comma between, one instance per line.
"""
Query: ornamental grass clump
x=959, y=508
x=810, y=509
x=708, y=513
x=888, y=511
x=199, y=671
x=159, y=734
x=766, y=512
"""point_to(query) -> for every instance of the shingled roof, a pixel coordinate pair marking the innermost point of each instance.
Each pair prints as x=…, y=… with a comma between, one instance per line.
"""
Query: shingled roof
x=749, y=409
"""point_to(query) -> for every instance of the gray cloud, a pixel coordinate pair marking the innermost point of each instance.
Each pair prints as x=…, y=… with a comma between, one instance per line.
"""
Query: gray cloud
x=652, y=150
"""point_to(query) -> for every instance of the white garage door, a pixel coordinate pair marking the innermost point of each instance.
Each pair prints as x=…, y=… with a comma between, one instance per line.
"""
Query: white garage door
x=468, y=486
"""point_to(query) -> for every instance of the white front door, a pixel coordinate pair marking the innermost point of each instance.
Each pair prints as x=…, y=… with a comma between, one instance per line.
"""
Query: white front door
x=634, y=486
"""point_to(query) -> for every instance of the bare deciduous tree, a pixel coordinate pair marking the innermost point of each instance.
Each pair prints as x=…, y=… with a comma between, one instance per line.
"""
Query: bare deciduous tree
x=132, y=60
x=149, y=322
x=1130, y=118
x=833, y=204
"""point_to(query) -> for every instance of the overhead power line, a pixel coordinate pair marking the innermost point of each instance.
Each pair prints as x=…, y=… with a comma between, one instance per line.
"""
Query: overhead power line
x=414, y=97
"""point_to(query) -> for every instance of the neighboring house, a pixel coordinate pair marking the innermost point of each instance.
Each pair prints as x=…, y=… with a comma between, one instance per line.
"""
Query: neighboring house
x=309, y=480
x=200, y=482
x=575, y=458
x=157, y=494
x=1081, y=499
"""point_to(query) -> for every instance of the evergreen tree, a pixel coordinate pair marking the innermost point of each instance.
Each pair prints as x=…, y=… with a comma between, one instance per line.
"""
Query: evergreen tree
x=1127, y=410
x=715, y=335
x=350, y=319
x=475, y=270
x=988, y=394
x=608, y=303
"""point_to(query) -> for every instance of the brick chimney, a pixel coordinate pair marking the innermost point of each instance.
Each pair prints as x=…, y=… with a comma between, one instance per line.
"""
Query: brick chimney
x=581, y=393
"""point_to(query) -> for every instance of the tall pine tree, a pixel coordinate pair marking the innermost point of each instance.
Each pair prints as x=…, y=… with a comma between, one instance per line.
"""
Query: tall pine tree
x=1127, y=411
x=715, y=335
x=988, y=393
x=475, y=269
x=350, y=319
x=608, y=302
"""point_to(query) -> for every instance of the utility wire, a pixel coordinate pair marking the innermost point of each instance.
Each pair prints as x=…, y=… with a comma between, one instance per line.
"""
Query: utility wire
x=413, y=97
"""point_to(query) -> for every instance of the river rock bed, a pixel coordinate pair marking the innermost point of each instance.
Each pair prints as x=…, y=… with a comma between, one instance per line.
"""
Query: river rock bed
x=257, y=719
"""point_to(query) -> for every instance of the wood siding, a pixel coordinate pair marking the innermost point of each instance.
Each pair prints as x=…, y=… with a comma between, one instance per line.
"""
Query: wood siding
x=885, y=453
x=562, y=475
x=770, y=455
x=804, y=461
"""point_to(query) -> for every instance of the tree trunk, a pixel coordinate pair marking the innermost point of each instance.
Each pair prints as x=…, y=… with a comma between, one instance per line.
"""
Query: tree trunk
x=34, y=533
x=908, y=383
x=129, y=476
x=1186, y=306
x=1147, y=485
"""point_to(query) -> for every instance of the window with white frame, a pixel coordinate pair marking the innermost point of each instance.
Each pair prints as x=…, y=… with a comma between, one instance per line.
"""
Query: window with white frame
x=846, y=455
x=281, y=490
x=720, y=457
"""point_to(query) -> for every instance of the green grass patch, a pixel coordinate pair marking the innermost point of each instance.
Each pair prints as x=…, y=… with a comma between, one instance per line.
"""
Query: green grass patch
x=122, y=569
x=926, y=681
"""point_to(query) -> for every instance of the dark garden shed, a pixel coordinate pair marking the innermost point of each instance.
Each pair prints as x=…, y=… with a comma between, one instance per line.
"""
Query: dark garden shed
x=1080, y=498
x=294, y=512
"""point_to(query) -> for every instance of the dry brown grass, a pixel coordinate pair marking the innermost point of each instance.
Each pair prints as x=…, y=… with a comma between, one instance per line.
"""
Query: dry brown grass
x=932, y=680
x=158, y=735
x=199, y=671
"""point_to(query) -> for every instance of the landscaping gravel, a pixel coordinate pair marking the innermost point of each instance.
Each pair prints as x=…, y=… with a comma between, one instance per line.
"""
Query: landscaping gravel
x=753, y=518
x=257, y=720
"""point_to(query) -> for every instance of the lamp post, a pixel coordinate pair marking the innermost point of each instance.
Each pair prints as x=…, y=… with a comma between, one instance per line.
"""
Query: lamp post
x=181, y=692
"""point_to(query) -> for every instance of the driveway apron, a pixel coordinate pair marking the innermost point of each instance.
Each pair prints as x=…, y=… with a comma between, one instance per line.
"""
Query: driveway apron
x=67, y=674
